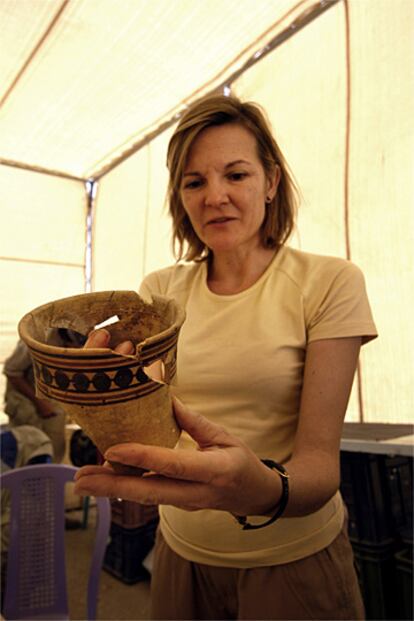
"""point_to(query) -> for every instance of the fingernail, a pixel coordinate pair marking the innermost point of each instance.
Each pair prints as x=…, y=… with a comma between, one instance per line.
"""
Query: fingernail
x=98, y=338
x=125, y=348
x=111, y=455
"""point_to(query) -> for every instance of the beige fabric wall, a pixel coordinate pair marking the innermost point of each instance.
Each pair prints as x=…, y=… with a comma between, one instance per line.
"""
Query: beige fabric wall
x=131, y=234
x=303, y=87
x=110, y=71
x=381, y=196
x=120, y=216
x=42, y=240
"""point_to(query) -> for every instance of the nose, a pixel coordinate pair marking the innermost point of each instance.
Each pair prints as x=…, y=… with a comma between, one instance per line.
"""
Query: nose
x=215, y=193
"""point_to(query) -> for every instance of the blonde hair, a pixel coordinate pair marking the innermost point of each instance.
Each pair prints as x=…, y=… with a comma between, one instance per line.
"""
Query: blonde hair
x=216, y=110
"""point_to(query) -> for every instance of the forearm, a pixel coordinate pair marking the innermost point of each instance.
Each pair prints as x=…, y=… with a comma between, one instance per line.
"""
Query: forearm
x=313, y=480
x=221, y=474
x=314, y=467
x=21, y=385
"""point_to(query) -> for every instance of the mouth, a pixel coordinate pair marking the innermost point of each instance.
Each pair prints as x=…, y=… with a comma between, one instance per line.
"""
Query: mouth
x=221, y=220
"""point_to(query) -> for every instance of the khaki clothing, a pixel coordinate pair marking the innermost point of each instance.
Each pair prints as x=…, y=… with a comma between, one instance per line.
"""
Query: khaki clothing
x=321, y=586
x=22, y=411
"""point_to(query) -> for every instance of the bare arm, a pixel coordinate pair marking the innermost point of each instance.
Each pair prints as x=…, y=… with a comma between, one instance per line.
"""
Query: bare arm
x=314, y=466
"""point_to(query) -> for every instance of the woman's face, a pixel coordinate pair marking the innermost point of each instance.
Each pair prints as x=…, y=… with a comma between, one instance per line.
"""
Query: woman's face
x=224, y=189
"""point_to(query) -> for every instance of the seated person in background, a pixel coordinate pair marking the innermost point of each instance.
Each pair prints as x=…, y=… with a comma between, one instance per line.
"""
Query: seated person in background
x=23, y=446
x=21, y=404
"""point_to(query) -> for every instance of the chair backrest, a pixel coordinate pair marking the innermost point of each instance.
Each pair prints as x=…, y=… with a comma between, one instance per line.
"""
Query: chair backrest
x=36, y=570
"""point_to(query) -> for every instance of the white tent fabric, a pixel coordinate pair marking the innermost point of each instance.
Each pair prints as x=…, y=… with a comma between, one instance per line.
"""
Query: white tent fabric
x=131, y=202
x=358, y=203
x=85, y=57
x=87, y=84
x=42, y=240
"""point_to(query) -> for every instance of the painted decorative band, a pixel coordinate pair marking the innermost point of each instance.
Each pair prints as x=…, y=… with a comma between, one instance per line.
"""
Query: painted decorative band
x=98, y=399
x=81, y=381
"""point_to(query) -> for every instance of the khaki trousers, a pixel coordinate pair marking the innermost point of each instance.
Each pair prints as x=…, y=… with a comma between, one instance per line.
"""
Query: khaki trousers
x=321, y=586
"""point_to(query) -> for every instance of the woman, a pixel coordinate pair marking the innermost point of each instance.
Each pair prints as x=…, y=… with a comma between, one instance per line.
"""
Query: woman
x=266, y=359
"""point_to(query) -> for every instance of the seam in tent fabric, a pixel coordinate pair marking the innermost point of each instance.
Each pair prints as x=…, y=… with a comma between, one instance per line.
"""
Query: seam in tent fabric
x=41, y=170
x=348, y=104
x=35, y=50
x=146, y=213
x=347, y=127
x=42, y=262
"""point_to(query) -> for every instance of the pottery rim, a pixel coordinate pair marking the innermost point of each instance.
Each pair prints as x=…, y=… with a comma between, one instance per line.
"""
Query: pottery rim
x=24, y=329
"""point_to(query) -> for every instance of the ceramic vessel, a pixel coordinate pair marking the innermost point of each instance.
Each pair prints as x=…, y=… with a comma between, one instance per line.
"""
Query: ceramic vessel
x=111, y=396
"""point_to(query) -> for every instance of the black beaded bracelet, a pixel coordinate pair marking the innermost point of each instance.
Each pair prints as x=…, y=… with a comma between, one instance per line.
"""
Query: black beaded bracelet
x=242, y=519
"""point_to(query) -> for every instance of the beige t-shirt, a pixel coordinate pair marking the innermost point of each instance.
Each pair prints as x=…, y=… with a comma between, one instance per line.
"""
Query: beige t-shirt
x=240, y=363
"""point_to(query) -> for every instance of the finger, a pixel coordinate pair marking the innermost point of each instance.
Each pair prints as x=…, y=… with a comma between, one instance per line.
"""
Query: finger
x=185, y=465
x=126, y=348
x=87, y=470
x=152, y=490
x=203, y=431
x=98, y=338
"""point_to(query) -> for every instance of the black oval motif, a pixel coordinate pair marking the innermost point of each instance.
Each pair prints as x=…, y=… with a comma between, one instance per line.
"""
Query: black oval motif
x=101, y=381
x=123, y=378
x=62, y=380
x=81, y=382
x=141, y=376
x=47, y=376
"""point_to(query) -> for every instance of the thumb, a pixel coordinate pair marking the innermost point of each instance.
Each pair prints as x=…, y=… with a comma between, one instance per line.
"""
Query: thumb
x=202, y=430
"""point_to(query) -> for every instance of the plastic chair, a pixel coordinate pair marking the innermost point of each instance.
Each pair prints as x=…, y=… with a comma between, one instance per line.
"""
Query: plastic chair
x=36, y=570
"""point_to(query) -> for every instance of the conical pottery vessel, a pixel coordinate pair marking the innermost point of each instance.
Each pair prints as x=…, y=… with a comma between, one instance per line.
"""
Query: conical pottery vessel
x=110, y=395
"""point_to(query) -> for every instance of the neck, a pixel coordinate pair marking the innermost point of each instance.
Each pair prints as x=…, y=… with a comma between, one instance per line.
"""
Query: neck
x=232, y=273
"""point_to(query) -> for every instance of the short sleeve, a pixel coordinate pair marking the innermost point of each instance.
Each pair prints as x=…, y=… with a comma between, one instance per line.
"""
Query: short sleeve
x=149, y=286
x=340, y=306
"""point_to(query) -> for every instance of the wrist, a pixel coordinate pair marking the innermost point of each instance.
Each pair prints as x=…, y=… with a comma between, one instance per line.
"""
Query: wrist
x=275, y=490
x=277, y=510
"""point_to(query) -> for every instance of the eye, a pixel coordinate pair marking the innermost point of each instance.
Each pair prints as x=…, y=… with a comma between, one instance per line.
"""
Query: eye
x=237, y=176
x=192, y=184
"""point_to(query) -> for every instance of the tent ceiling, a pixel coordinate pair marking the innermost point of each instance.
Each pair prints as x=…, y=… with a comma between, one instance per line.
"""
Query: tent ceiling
x=84, y=82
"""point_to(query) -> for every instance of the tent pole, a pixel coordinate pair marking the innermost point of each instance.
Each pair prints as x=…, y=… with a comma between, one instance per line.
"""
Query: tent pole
x=91, y=188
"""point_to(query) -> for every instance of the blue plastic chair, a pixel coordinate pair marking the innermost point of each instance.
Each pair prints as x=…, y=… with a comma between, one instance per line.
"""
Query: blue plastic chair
x=36, y=571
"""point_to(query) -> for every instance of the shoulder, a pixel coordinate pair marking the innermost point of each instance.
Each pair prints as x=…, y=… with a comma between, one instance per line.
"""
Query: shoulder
x=308, y=270
x=174, y=281
x=333, y=293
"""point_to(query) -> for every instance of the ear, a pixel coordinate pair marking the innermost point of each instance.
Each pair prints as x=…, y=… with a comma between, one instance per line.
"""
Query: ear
x=272, y=182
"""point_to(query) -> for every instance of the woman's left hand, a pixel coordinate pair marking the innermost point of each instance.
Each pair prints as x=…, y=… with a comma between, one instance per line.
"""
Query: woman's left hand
x=222, y=474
